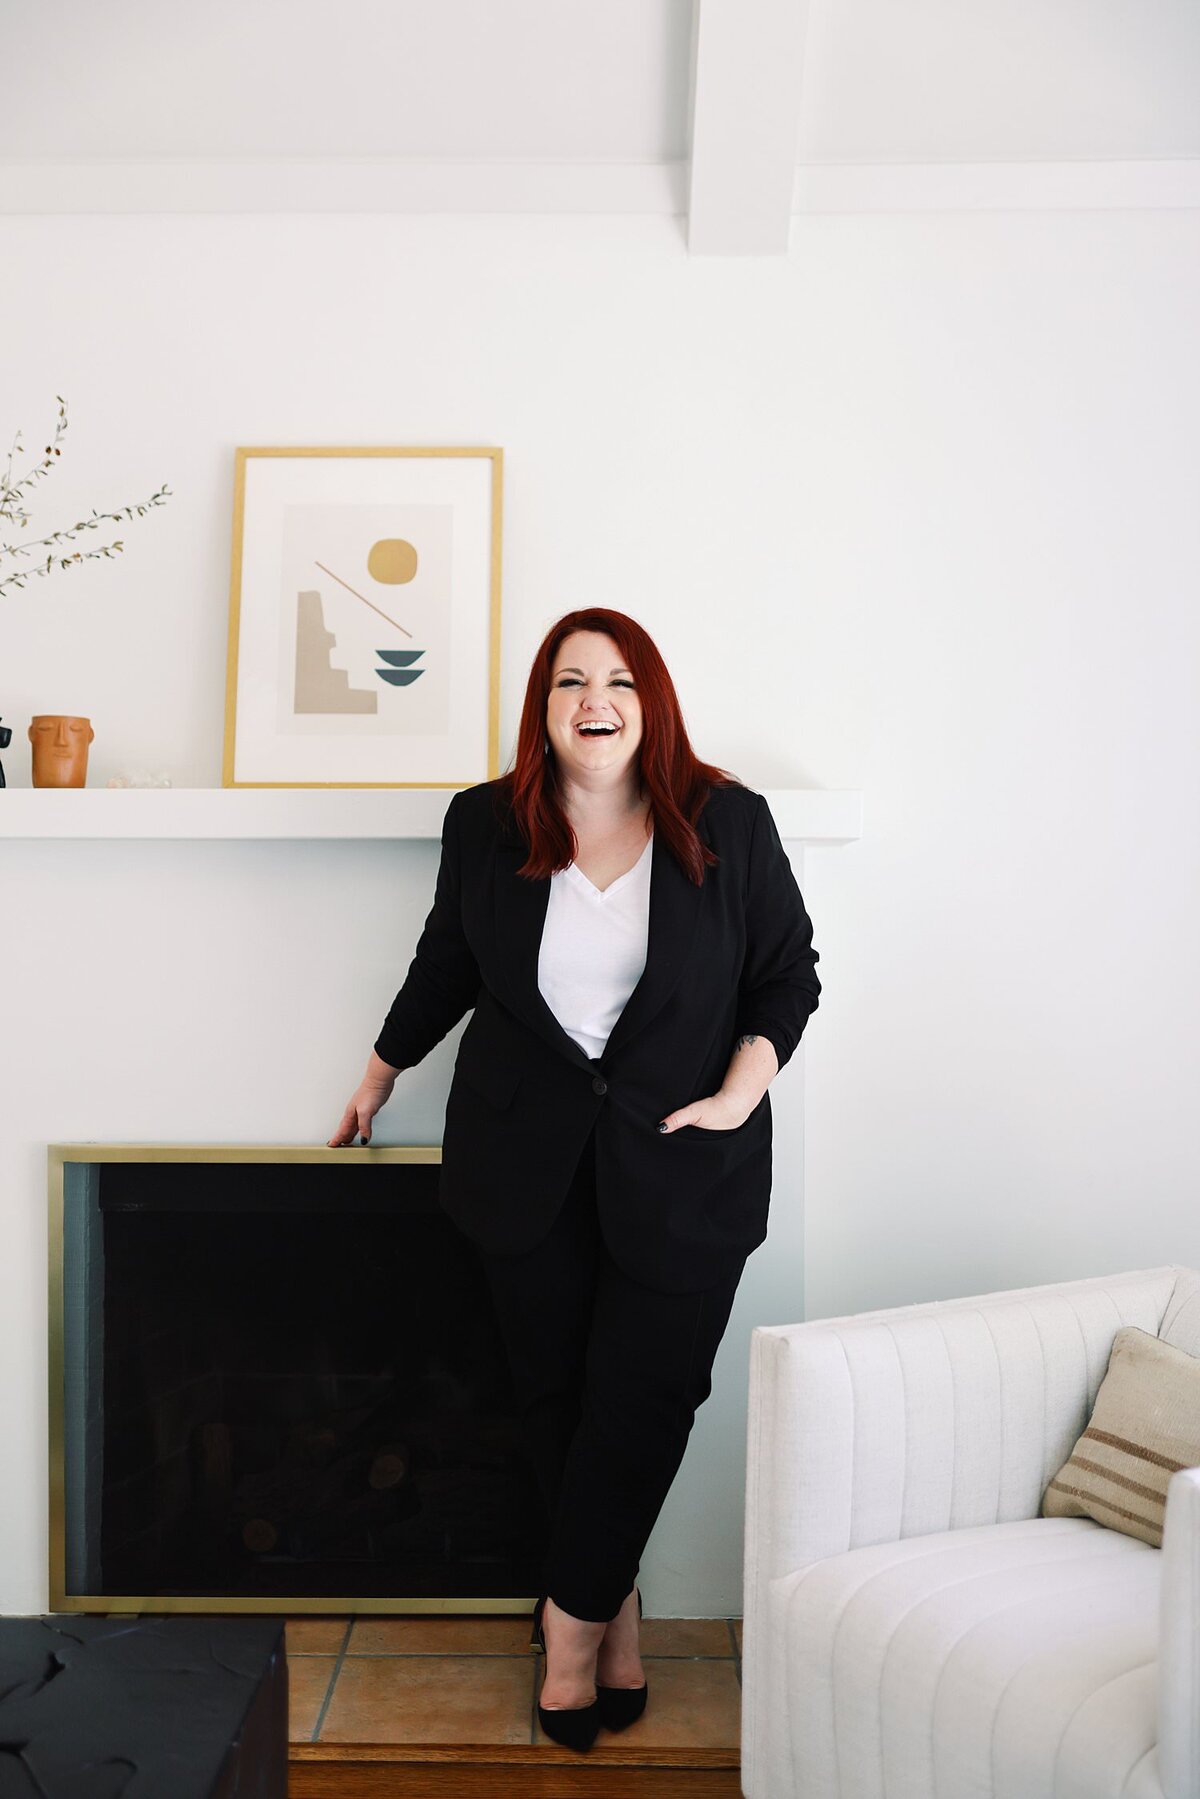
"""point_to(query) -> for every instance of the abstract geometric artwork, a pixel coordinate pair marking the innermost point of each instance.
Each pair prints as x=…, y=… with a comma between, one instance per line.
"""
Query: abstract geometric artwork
x=378, y=597
x=364, y=619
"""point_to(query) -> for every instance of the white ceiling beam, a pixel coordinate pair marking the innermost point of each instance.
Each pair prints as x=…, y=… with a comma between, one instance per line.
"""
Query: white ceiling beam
x=997, y=186
x=182, y=184
x=748, y=60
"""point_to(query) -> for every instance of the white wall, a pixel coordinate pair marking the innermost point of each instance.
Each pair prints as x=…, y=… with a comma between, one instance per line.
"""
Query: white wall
x=911, y=509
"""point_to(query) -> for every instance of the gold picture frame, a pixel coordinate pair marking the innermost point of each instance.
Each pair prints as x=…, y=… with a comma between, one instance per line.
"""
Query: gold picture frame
x=306, y=702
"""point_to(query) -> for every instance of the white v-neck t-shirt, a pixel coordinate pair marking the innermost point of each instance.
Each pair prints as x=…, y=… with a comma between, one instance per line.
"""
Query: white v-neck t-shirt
x=593, y=949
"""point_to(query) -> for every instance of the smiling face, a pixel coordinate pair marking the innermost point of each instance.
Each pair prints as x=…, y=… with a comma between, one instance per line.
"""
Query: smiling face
x=593, y=713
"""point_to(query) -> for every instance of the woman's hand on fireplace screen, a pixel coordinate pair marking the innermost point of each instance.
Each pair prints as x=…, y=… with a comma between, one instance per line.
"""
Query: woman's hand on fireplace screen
x=374, y=1091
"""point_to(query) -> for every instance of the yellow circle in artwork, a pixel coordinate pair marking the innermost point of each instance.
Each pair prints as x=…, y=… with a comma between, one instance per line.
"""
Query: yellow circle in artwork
x=392, y=560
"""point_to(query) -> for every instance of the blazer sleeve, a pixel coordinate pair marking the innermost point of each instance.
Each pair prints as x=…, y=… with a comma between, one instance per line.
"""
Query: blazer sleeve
x=779, y=989
x=443, y=979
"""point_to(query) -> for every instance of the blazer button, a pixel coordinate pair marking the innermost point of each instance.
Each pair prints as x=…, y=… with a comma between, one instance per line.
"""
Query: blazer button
x=599, y=1085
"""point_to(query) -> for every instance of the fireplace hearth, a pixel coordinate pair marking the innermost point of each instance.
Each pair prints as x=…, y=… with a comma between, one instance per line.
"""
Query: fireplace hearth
x=277, y=1385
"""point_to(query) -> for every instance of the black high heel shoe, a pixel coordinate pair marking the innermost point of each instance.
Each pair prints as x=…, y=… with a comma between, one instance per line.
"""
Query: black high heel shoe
x=622, y=1706
x=573, y=1726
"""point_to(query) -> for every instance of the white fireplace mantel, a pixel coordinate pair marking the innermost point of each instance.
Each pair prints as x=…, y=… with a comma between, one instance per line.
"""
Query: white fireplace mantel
x=803, y=815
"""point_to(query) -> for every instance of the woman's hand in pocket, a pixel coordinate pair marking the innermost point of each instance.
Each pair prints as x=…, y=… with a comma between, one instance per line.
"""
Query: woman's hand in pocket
x=720, y=1112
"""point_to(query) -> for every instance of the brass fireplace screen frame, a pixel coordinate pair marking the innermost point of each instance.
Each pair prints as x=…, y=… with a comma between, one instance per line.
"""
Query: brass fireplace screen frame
x=59, y=1155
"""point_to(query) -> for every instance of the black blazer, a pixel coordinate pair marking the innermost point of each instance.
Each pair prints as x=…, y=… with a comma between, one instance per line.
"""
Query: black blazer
x=733, y=955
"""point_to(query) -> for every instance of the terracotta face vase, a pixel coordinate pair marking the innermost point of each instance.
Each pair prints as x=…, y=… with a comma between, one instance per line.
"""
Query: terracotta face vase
x=60, y=750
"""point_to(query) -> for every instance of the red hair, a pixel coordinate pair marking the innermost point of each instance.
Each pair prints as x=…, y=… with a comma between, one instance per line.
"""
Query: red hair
x=677, y=782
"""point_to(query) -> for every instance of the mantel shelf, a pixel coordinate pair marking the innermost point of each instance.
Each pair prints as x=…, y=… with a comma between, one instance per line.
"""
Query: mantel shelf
x=802, y=815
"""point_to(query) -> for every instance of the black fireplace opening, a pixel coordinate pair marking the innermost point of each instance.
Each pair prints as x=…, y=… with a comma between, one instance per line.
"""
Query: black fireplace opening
x=285, y=1380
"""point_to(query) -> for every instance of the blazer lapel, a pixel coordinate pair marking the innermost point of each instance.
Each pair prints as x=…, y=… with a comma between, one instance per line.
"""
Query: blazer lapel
x=675, y=904
x=520, y=916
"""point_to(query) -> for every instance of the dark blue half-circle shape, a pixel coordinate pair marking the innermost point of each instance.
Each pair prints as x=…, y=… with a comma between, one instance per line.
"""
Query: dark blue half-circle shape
x=399, y=677
x=399, y=658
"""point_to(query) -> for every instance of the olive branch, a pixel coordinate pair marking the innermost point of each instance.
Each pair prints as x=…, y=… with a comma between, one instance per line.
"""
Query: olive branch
x=11, y=510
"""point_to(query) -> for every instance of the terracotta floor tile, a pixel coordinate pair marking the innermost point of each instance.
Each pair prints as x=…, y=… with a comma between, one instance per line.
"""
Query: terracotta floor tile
x=696, y=1704
x=315, y=1636
x=308, y=1677
x=685, y=1636
x=431, y=1699
x=442, y=1635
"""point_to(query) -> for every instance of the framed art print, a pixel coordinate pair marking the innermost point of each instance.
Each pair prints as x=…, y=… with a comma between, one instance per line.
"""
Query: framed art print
x=364, y=618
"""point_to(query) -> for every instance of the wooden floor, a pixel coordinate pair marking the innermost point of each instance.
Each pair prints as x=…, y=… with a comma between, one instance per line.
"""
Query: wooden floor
x=435, y=1708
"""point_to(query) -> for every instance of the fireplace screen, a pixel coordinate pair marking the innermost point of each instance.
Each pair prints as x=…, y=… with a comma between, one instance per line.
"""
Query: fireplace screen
x=277, y=1385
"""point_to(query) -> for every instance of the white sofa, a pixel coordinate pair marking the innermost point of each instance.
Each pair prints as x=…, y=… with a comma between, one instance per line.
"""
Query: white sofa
x=913, y=1628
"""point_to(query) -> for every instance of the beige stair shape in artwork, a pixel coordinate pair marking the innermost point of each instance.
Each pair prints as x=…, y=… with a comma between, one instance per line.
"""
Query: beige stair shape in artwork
x=319, y=686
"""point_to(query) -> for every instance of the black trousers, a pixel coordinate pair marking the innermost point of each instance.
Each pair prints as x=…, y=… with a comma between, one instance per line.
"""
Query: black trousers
x=608, y=1376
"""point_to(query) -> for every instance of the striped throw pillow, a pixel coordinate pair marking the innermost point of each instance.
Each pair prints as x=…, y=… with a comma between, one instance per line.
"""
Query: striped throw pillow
x=1145, y=1427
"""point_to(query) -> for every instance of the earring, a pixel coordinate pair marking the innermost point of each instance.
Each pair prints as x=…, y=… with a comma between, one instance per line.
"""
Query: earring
x=545, y=746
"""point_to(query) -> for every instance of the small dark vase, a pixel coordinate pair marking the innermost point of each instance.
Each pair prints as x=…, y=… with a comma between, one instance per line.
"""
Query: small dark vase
x=5, y=740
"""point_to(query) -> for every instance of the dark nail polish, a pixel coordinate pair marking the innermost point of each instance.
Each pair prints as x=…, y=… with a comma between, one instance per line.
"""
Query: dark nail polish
x=662, y=1127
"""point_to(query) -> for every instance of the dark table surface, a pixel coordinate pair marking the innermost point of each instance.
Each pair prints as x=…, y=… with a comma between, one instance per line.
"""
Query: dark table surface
x=143, y=1708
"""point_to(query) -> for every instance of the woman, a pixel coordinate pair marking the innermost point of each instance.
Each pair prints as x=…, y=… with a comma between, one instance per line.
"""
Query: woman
x=625, y=924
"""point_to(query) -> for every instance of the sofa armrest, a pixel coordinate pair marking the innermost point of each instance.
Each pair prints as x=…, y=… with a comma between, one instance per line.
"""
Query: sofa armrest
x=929, y=1417
x=919, y=1419
x=1179, y=1655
